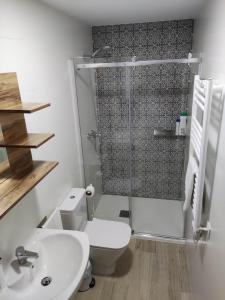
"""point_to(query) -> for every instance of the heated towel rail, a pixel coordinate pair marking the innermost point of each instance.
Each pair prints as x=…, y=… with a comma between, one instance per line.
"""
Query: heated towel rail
x=204, y=92
x=198, y=141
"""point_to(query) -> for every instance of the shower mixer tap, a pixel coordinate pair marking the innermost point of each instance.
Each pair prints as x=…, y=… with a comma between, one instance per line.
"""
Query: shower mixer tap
x=93, y=134
x=94, y=138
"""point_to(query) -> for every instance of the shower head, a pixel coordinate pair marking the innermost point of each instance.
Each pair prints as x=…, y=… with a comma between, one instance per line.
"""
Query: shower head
x=99, y=50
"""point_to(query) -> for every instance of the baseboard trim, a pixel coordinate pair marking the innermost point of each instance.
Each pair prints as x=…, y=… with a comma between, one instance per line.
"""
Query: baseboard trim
x=166, y=239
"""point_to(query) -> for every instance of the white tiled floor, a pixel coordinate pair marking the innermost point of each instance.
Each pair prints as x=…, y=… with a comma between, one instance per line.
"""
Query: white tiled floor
x=109, y=207
x=155, y=216
x=158, y=216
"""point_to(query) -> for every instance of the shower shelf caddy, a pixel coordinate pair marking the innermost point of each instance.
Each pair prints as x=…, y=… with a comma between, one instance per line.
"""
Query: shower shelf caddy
x=19, y=174
x=161, y=132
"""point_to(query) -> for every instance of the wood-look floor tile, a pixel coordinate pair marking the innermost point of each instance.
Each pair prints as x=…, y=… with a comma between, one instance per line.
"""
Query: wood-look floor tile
x=145, y=245
x=186, y=296
x=185, y=284
x=148, y=270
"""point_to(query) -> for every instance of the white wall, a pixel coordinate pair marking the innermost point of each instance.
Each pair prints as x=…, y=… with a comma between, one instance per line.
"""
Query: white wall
x=36, y=41
x=207, y=259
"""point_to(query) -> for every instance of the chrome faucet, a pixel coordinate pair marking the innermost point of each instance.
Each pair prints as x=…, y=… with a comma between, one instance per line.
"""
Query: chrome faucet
x=22, y=255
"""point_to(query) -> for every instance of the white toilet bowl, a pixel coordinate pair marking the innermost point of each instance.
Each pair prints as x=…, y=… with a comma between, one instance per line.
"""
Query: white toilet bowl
x=108, y=239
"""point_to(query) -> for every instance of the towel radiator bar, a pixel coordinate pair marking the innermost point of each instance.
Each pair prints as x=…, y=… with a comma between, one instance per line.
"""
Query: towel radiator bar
x=204, y=91
x=198, y=142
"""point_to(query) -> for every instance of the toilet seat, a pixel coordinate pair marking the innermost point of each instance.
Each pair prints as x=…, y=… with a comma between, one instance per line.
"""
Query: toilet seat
x=108, y=234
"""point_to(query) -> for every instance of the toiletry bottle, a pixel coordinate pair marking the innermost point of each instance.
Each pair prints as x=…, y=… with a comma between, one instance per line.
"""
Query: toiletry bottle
x=183, y=123
x=177, y=132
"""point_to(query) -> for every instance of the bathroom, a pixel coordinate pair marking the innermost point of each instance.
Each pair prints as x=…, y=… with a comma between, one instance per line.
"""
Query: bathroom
x=98, y=200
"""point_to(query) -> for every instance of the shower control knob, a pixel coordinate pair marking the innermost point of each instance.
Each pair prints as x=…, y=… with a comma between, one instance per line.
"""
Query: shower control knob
x=93, y=134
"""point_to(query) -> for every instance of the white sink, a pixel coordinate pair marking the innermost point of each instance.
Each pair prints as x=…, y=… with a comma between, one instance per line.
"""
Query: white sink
x=63, y=256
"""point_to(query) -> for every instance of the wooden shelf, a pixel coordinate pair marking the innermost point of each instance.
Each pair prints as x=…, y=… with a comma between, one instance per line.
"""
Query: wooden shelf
x=4, y=171
x=19, y=174
x=25, y=107
x=32, y=140
x=14, y=189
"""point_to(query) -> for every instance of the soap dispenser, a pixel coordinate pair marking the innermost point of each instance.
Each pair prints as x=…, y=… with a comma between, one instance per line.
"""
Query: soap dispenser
x=177, y=132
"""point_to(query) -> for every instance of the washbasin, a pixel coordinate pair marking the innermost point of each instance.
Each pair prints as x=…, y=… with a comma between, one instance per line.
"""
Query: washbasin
x=57, y=271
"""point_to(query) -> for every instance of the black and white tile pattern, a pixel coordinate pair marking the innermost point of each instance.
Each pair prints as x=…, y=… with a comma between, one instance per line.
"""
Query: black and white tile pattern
x=157, y=96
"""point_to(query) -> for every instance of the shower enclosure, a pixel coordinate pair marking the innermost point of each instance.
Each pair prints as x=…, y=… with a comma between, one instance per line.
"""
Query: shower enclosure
x=127, y=112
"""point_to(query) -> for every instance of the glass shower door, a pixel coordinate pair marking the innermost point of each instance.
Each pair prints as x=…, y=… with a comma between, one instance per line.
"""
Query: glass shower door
x=158, y=94
x=138, y=176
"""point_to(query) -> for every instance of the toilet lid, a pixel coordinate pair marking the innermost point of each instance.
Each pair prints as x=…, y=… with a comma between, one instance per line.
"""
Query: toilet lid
x=108, y=234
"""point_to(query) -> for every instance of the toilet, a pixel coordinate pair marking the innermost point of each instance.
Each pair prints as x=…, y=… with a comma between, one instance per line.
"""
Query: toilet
x=108, y=239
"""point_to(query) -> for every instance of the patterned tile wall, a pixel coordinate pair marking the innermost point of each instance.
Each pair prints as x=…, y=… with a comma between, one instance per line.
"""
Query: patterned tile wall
x=135, y=160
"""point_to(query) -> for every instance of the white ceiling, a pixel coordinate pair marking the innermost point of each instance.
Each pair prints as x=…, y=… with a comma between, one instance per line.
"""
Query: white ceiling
x=103, y=12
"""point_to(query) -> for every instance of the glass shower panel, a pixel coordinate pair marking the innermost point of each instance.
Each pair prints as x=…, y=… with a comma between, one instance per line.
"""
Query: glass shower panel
x=113, y=125
x=104, y=114
x=159, y=93
x=90, y=138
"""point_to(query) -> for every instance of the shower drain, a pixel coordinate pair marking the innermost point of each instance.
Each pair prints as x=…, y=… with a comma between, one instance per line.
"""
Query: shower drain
x=46, y=281
x=124, y=214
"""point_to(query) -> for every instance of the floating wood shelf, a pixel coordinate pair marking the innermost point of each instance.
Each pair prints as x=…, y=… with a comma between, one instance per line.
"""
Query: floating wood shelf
x=14, y=189
x=19, y=174
x=4, y=171
x=32, y=140
x=25, y=107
